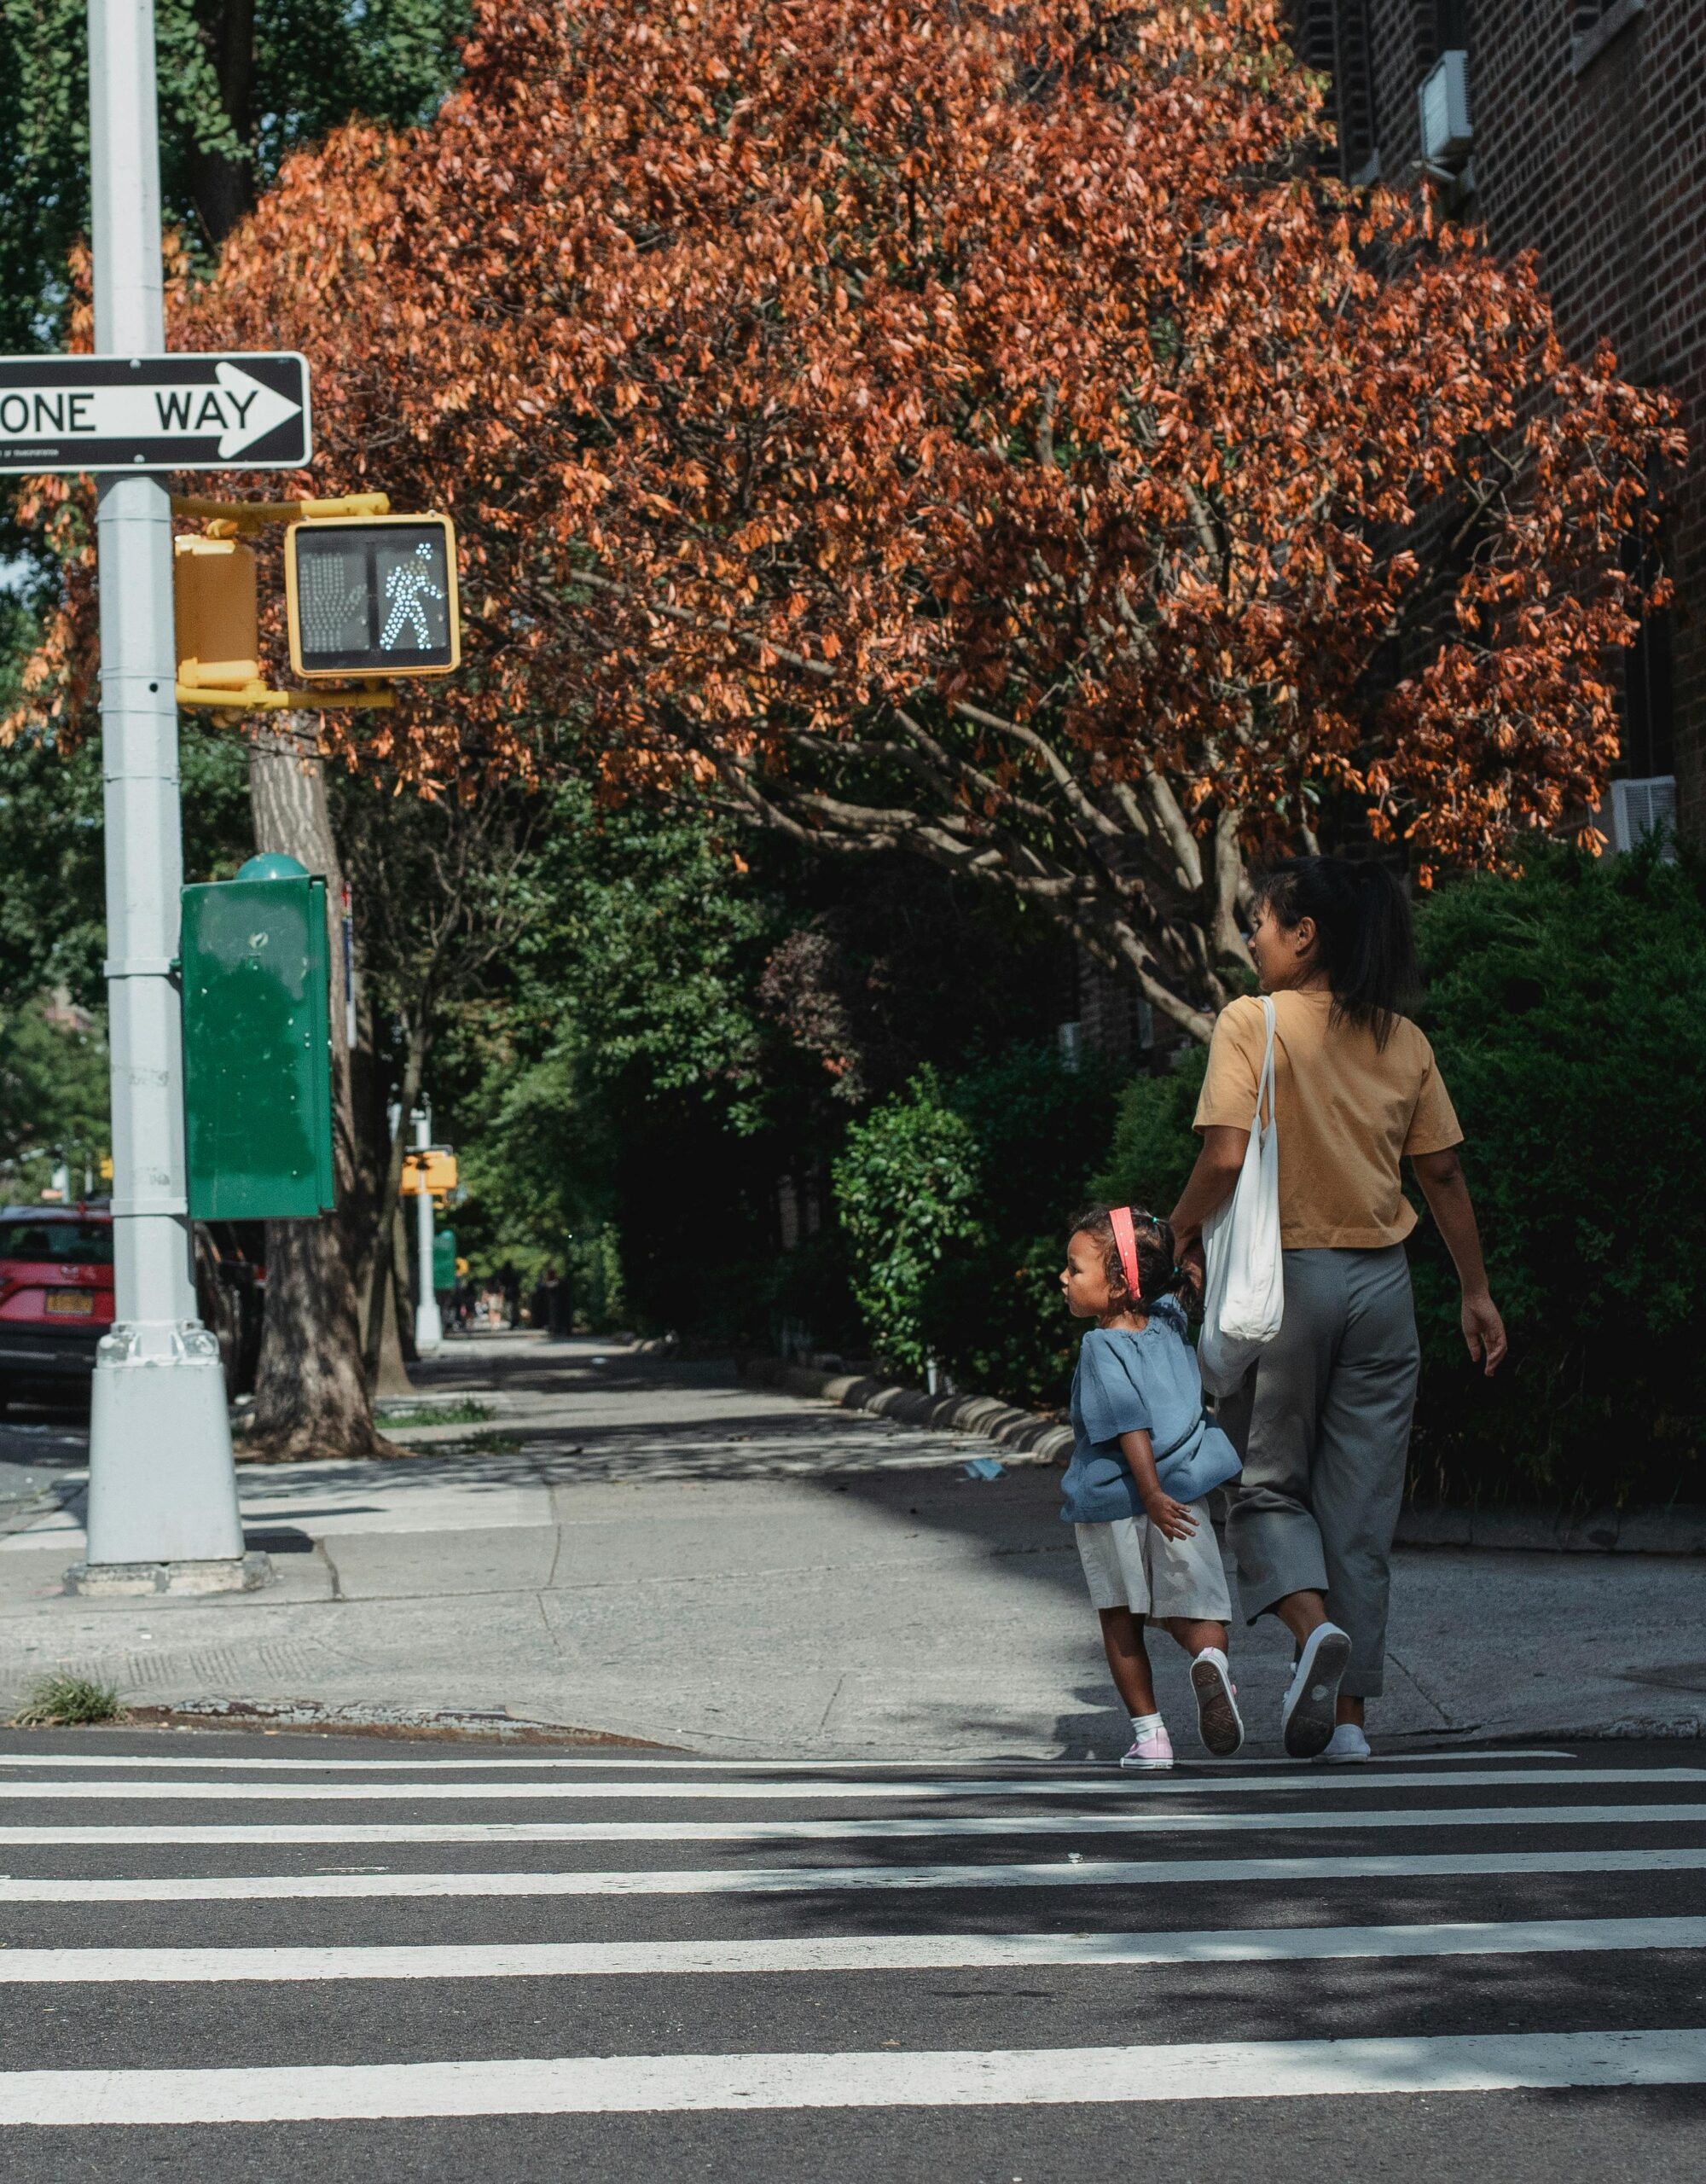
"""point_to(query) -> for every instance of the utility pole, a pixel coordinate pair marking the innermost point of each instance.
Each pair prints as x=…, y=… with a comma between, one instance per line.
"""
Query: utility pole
x=162, y=1511
x=429, y=1324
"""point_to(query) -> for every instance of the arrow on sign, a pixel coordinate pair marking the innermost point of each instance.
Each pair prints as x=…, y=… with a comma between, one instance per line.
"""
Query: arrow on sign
x=234, y=408
x=182, y=412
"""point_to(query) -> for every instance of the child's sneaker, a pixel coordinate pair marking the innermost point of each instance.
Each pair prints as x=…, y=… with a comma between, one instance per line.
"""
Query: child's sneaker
x=1152, y=1747
x=1218, y=1722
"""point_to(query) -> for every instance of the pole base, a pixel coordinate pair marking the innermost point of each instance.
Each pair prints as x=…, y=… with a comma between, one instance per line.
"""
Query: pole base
x=97, y=1581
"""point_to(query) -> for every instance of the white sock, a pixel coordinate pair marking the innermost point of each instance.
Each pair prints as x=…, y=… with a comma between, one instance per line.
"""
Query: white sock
x=1142, y=1724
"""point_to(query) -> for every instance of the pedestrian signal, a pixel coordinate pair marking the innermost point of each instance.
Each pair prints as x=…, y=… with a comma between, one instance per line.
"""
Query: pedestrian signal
x=372, y=596
x=432, y=1169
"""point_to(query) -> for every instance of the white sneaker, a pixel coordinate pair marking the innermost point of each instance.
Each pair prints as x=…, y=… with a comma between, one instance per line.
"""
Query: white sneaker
x=1306, y=1717
x=1218, y=1722
x=1348, y=1742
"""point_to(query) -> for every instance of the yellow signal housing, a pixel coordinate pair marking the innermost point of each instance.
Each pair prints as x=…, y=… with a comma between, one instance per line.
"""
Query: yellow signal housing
x=433, y=1170
x=215, y=613
x=372, y=595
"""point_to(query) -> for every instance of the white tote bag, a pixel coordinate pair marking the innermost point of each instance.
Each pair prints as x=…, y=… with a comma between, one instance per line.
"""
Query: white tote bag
x=1244, y=1290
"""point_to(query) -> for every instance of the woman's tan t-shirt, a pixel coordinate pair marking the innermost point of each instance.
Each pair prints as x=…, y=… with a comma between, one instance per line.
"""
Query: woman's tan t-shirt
x=1347, y=1112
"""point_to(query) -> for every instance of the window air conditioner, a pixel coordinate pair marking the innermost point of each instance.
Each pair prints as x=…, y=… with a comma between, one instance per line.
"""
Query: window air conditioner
x=1641, y=807
x=1443, y=99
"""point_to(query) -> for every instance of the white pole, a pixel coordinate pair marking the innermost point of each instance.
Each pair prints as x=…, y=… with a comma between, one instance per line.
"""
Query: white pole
x=162, y=1496
x=429, y=1324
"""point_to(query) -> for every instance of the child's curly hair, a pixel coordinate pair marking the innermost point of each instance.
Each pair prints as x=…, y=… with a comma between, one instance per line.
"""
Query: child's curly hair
x=1158, y=1272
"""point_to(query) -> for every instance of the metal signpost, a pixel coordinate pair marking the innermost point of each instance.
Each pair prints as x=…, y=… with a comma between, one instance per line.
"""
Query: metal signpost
x=162, y=1496
x=429, y=1324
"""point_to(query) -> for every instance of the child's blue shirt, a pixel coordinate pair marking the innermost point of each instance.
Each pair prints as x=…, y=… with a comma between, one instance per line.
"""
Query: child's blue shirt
x=1140, y=1380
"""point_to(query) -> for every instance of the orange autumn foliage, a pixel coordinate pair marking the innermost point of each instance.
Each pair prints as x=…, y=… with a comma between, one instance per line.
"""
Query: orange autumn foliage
x=977, y=430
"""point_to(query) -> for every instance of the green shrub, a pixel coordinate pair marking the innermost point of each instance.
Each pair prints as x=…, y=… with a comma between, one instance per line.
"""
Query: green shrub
x=1154, y=1147
x=908, y=1188
x=954, y=1197
x=1566, y=1009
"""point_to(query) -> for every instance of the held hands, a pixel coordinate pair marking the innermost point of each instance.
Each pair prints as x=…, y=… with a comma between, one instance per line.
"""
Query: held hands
x=1172, y=1520
x=1484, y=1331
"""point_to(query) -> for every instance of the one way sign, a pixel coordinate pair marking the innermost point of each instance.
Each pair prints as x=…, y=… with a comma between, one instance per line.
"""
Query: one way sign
x=154, y=413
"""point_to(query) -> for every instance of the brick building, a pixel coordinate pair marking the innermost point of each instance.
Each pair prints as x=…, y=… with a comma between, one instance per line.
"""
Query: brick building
x=1577, y=128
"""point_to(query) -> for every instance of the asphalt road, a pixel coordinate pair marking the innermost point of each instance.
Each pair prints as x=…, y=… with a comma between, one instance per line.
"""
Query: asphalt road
x=240, y=1957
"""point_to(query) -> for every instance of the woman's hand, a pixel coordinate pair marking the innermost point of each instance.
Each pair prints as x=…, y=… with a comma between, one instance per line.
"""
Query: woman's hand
x=1484, y=1330
x=1172, y=1520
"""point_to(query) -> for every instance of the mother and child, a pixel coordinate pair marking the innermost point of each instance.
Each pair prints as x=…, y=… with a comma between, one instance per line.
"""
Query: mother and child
x=1313, y=1445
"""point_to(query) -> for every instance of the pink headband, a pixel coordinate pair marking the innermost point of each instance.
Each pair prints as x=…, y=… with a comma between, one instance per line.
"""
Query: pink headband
x=1125, y=1240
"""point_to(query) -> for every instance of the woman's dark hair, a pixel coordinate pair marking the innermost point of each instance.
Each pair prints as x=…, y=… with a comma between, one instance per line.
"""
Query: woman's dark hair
x=1157, y=1271
x=1366, y=940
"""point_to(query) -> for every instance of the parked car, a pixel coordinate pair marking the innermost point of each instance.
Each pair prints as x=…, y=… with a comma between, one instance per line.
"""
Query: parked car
x=57, y=1295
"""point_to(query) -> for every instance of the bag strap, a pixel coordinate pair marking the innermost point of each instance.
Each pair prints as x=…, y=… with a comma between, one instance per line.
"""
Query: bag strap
x=1264, y=1084
x=1162, y=1454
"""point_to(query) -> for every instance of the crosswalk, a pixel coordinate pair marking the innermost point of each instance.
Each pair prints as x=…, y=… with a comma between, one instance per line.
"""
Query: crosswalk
x=266, y=1933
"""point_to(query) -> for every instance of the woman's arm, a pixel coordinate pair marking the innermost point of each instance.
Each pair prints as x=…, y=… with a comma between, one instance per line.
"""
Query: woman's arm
x=1172, y=1519
x=1218, y=1162
x=1447, y=1192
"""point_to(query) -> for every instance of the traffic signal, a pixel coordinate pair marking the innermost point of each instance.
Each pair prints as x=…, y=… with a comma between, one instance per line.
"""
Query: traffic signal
x=372, y=596
x=215, y=613
x=432, y=1169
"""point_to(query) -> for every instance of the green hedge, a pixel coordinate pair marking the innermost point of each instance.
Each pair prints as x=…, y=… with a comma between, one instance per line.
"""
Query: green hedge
x=954, y=1197
x=1568, y=1007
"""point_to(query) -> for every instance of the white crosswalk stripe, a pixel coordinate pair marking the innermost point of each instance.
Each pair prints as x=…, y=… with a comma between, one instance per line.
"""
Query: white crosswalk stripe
x=794, y=1791
x=945, y=2077
x=900, y=1828
x=217, y=1916
x=793, y=1880
x=842, y=1952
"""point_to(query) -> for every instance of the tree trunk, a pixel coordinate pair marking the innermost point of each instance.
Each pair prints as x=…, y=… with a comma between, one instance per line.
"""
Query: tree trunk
x=381, y=1282
x=310, y=1392
x=402, y=1291
x=224, y=188
x=393, y=1376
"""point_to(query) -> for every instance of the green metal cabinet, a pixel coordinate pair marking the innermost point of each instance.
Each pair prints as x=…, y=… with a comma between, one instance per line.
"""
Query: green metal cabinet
x=257, y=1046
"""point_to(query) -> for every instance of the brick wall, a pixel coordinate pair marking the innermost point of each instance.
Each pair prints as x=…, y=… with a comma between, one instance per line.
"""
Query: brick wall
x=1589, y=120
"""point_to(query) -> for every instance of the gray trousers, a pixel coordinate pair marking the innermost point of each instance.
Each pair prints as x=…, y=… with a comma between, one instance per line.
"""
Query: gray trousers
x=1323, y=1425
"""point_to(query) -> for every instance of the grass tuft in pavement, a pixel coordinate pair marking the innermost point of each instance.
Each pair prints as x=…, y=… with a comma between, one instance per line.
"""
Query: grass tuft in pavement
x=390, y=1416
x=56, y=1702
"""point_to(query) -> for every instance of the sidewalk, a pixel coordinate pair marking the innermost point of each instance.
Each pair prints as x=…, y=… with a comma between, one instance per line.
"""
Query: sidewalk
x=656, y=1550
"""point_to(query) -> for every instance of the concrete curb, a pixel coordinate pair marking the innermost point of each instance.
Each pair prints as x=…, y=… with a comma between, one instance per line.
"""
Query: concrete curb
x=1606, y=1531
x=1038, y=1440
x=1671, y=1531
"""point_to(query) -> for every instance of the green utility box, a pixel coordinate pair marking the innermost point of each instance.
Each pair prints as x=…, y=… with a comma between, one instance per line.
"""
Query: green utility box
x=444, y=1259
x=257, y=1045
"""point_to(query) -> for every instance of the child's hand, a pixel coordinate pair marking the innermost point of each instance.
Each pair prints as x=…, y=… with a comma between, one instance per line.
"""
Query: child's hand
x=1172, y=1520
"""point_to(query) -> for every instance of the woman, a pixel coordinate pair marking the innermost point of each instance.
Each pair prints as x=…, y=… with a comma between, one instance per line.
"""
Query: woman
x=1324, y=1418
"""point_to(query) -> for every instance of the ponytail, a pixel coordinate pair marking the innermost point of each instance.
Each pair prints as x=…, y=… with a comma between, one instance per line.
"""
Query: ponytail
x=1365, y=937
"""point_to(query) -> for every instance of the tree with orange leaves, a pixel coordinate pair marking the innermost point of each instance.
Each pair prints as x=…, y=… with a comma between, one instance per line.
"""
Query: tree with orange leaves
x=975, y=429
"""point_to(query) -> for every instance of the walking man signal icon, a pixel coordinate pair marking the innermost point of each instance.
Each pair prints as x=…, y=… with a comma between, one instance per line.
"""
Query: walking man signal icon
x=407, y=584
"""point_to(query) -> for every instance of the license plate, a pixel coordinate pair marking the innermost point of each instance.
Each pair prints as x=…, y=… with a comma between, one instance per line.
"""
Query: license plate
x=72, y=1304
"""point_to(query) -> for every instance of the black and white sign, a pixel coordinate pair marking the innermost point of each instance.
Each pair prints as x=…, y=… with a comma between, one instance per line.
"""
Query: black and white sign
x=154, y=413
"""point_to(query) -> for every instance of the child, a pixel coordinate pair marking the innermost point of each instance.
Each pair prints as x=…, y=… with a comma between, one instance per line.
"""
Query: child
x=1145, y=1455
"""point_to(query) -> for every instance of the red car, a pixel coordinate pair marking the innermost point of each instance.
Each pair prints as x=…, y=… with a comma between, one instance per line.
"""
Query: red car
x=57, y=1295
x=56, y=1292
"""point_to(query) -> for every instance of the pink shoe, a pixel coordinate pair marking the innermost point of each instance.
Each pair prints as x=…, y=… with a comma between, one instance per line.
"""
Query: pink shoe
x=1151, y=1752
